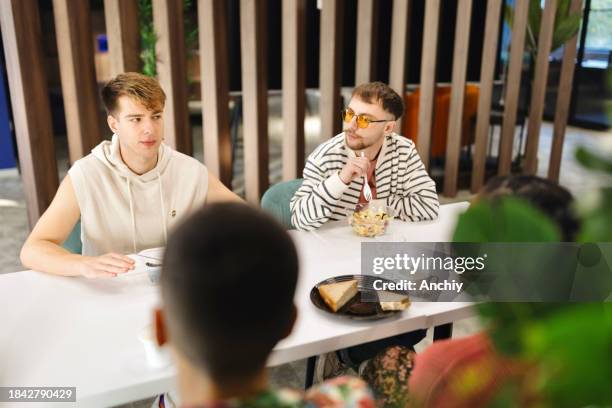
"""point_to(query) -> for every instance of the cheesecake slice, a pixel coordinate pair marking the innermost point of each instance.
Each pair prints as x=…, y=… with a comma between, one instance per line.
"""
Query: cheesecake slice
x=390, y=301
x=338, y=294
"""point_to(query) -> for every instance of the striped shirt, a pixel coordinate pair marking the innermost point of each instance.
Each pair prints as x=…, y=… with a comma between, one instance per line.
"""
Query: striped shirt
x=401, y=181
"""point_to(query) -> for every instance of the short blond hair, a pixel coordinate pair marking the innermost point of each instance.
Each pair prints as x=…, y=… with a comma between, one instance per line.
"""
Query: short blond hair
x=144, y=89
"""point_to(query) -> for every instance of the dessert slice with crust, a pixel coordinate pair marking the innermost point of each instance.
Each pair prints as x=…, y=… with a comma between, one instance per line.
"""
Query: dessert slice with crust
x=393, y=301
x=338, y=294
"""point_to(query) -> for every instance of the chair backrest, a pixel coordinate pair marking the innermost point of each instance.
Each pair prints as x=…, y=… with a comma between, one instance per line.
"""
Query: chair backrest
x=276, y=200
x=73, y=242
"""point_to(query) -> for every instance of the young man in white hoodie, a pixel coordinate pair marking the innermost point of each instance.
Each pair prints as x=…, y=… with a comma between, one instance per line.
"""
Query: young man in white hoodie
x=128, y=192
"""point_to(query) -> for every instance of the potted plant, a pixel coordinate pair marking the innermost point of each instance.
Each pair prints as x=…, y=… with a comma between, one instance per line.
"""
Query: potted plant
x=568, y=344
x=148, y=41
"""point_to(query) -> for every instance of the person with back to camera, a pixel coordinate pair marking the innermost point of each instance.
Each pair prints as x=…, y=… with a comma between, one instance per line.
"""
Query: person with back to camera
x=227, y=283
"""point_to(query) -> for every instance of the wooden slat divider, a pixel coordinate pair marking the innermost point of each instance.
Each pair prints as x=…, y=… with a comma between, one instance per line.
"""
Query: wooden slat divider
x=455, y=121
x=22, y=39
x=294, y=87
x=78, y=74
x=214, y=67
x=539, y=87
x=330, y=64
x=122, y=30
x=563, y=101
x=172, y=72
x=399, y=49
x=20, y=24
x=428, y=79
x=365, y=53
x=513, y=86
x=255, y=97
x=487, y=72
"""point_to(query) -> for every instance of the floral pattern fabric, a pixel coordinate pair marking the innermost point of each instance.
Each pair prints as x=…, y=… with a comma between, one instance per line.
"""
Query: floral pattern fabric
x=388, y=374
x=341, y=392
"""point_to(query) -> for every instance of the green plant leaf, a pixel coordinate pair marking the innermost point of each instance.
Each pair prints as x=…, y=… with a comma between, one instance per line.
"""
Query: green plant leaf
x=508, y=396
x=148, y=37
x=508, y=219
x=508, y=15
x=593, y=161
x=562, y=10
x=566, y=26
x=534, y=17
x=597, y=222
x=507, y=319
x=573, y=347
x=565, y=30
x=191, y=29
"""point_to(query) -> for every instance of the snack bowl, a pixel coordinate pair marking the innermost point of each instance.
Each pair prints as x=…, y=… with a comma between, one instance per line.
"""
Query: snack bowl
x=370, y=220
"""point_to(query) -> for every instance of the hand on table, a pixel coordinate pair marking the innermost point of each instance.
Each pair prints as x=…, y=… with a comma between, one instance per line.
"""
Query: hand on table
x=354, y=168
x=105, y=266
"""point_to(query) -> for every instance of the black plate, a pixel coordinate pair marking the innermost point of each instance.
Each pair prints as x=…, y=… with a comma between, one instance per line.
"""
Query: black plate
x=355, y=308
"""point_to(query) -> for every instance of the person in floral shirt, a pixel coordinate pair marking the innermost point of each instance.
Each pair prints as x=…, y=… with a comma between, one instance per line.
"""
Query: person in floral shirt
x=227, y=285
x=388, y=374
x=339, y=392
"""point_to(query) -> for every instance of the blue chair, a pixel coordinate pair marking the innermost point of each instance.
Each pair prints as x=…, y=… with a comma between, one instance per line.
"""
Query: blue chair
x=73, y=242
x=276, y=201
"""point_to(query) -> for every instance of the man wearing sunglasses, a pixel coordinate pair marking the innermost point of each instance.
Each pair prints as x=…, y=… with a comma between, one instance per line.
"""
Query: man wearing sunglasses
x=367, y=149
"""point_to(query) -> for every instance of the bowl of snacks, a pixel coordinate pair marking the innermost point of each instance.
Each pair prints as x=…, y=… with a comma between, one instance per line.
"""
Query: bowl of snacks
x=370, y=220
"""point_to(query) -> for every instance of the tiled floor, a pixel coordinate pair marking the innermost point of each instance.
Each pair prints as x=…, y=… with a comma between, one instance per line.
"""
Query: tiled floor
x=14, y=229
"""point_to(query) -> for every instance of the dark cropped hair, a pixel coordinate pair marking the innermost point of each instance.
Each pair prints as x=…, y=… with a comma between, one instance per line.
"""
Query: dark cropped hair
x=227, y=282
x=144, y=89
x=379, y=92
x=548, y=197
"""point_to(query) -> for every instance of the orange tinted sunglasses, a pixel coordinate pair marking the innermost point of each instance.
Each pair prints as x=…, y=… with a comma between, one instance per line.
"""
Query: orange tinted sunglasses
x=362, y=120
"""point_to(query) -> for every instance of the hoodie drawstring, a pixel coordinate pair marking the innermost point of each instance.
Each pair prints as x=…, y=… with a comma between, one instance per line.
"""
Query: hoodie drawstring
x=163, y=208
x=132, y=214
x=163, y=211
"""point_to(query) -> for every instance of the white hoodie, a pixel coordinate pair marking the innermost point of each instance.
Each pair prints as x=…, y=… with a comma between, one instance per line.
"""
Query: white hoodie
x=124, y=212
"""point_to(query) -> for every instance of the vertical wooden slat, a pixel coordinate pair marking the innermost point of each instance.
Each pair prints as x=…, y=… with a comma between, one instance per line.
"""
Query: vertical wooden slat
x=487, y=72
x=212, y=23
x=79, y=87
x=428, y=79
x=330, y=68
x=563, y=101
x=21, y=36
x=122, y=31
x=255, y=97
x=294, y=39
x=455, y=121
x=399, y=49
x=172, y=72
x=513, y=86
x=366, y=38
x=539, y=87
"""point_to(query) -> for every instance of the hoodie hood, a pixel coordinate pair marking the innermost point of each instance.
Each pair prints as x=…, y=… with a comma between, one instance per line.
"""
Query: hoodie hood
x=109, y=154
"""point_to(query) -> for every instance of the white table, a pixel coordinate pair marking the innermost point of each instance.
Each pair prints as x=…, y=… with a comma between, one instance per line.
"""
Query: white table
x=59, y=331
